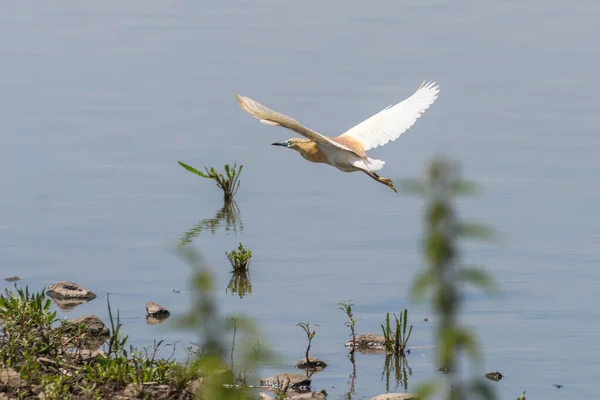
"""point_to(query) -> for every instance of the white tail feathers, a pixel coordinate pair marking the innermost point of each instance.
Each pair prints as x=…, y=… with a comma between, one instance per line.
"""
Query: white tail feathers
x=374, y=164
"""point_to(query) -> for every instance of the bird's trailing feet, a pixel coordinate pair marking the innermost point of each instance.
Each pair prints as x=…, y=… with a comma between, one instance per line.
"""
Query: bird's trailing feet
x=387, y=182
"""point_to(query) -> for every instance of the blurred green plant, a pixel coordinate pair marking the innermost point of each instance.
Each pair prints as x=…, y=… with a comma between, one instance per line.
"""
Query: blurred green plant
x=397, y=339
x=443, y=279
x=229, y=183
x=240, y=258
x=219, y=380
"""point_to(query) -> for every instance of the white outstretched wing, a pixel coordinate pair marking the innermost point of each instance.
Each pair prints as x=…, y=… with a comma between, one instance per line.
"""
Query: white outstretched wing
x=388, y=124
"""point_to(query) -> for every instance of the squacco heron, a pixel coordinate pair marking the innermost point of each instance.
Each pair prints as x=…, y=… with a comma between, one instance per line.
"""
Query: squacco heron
x=347, y=152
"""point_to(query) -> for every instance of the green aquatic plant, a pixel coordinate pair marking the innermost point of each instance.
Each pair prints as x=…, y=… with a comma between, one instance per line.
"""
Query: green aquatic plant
x=396, y=339
x=351, y=323
x=310, y=331
x=240, y=258
x=229, y=183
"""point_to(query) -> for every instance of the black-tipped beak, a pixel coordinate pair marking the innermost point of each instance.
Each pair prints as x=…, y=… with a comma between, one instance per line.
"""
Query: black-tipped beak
x=279, y=144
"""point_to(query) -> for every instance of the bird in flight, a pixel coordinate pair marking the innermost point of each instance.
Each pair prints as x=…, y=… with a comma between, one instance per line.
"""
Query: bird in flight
x=347, y=152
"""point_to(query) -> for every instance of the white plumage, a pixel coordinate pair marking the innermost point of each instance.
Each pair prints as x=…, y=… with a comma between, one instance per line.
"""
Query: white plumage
x=391, y=122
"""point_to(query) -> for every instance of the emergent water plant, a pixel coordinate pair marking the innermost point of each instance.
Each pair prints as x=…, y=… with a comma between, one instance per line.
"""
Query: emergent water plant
x=240, y=258
x=229, y=183
x=351, y=323
x=397, y=339
x=310, y=334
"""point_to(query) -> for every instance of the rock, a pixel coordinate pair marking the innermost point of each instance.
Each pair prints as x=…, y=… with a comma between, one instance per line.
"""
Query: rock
x=264, y=396
x=154, y=310
x=396, y=396
x=149, y=390
x=368, y=342
x=558, y=386
x=88, y=355
x=66, y=290
x=322, y=395
x=95, y=332
x=313, y=362
x=494, y=376
x=9, y=378
x=297, y=382
x=12, y=279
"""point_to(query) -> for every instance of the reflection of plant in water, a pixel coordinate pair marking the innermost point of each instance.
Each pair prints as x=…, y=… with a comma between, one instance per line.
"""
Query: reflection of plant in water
x=399, y=364
x=228, y=217
x=239, y=284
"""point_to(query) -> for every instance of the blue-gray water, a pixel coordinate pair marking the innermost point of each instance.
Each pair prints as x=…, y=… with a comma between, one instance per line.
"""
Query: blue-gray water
x=99, y=101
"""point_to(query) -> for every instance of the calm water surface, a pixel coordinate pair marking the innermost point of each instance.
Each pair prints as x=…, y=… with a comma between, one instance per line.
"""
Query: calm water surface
x=99, y=102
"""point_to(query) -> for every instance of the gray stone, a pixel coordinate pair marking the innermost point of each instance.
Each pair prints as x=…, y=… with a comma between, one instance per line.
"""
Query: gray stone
x=296, y=382
x=9, y=378
x=313, y=362
x=368, y=342
x=149, y=390
x=67, y=290
x=95, y=332
x=308, y=396
x=494, y=376
x=12, y=279
x=396, y=396
x=154, y=310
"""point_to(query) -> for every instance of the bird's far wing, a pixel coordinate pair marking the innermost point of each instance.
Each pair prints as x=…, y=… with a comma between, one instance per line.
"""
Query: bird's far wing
x=392, y=121
x=270, y=117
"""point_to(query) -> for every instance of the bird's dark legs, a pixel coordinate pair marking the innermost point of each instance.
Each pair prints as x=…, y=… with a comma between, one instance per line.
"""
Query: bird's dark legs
x=387, y=182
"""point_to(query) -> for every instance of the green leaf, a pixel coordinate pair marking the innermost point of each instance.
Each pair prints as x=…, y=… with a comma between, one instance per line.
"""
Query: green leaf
x=522, y=396
x=464, y=187
x=472, y=230
x=192, y=169
x=426, y=389
x=484, y=389
x=477, y=276
x=420, y=285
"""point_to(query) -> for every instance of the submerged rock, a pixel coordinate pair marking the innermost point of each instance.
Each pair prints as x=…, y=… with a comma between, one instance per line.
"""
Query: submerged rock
x=313, y=362
x=296, y=382
x=154, y=310
x=494, y=376
x=67, y=290
x=95, y=332
x=12, y=279
x=396, y=396
x=368, y=342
